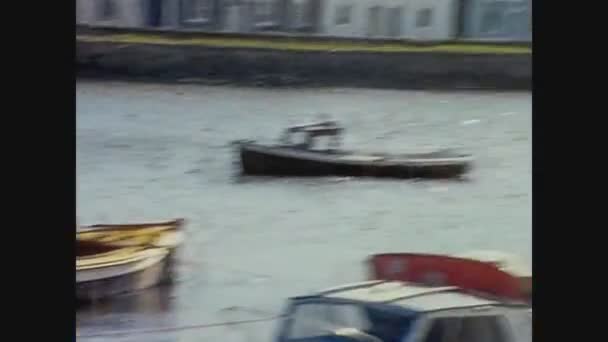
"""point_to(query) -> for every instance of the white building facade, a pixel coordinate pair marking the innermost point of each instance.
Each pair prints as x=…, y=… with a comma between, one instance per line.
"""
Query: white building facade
x=115, y=13
x=497, y=19
x=399, y=19
x=369, y=19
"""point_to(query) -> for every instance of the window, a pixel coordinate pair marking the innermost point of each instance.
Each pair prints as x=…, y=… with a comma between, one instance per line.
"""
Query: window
x=298, y=12
x=264, y=11
x=388, y=326
x=505, y=18
x=468, y=329
x=343, y=14
x=348, y=316
x=374, y=21
x=491, y=21
x=198, y=10
x=317, y=320
x=301, y=13
x=106, y=9
x=308, y=320
x=424, y=17
x=530, y=22
x=395, y=18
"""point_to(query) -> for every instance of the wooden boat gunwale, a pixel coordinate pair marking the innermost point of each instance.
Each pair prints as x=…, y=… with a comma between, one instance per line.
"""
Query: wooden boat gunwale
x=171, y=224
x=115, y=256
x=128, y=235
x=137, y=256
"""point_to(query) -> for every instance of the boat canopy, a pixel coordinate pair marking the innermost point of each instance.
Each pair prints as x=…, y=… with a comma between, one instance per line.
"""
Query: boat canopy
x=322, y=128
x=312, y=131
x=387, y=311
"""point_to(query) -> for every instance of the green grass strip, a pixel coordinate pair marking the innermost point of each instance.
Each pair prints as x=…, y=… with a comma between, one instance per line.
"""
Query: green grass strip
x=295, y=44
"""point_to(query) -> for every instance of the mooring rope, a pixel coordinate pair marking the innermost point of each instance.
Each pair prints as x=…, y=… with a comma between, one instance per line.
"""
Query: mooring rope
x=178, y=328
x=194, y=326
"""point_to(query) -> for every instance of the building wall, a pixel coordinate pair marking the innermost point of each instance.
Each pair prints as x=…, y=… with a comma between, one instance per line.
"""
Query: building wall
x=443, y=20
x=343, y=18
x=248, y=16
x=119, y=13
x=202, y=15
x=302, y=16
x=497, y=19
x=405, y=19
x=390, y=19
x=234, y=16
x=170, y=13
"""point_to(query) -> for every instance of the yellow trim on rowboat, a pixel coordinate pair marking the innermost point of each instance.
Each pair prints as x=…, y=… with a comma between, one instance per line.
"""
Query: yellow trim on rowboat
x=119, y=257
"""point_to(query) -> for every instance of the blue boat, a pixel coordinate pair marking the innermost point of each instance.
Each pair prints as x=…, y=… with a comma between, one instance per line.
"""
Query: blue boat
x=395, y=311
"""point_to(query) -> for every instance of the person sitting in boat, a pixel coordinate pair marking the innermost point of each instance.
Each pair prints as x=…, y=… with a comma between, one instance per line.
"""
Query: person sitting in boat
x=307, y=144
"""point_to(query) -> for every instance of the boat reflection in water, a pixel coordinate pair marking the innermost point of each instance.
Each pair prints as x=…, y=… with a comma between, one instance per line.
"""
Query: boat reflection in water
x=151, y=308
x=155, y=300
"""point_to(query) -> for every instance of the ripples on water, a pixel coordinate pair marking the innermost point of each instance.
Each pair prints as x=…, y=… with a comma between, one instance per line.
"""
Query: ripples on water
x=149, y=152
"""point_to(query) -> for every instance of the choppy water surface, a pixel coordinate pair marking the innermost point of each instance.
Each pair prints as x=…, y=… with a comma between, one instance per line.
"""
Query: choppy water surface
x=149, y=152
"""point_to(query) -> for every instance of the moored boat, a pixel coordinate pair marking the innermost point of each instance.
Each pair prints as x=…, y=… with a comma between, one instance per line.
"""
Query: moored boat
x=305, y=158
x=119, y=258
x=103, y=271
x=393, y=311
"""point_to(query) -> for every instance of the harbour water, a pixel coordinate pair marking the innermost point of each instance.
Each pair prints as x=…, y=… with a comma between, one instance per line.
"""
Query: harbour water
x=152, y=152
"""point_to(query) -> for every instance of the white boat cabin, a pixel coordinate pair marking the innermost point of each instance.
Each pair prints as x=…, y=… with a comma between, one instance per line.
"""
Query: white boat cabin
x=382, y=311
x=306, y=136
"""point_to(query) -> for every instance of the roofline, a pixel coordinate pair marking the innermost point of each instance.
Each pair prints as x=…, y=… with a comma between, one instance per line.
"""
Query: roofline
x=437, y=290
x=349, y=287
x=371, y=283
x=497, y=305
x=496, y=302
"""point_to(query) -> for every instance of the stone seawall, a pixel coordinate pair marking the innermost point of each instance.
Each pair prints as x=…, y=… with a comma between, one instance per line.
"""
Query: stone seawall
x=167, y=61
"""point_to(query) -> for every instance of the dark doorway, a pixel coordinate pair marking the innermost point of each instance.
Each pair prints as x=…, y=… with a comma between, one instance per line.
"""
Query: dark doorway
x=155, y=9
x=461, y=14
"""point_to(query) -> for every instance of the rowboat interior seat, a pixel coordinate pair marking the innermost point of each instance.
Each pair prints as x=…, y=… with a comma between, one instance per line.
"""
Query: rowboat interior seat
x=87, y=248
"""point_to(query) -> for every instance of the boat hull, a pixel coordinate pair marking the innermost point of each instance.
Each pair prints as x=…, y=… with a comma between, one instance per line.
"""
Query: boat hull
x=108, y=281
x=261, y=160
x=146, y=257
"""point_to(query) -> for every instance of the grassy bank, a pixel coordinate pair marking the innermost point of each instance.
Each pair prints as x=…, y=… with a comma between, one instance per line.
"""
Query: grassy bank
x=296, y=44
x=286, y=60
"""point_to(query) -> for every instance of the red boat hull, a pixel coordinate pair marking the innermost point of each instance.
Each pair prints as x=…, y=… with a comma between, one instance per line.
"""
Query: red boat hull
x=439, y=270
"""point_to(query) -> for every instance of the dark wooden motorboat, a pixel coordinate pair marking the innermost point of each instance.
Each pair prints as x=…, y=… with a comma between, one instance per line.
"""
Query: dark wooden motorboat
x=289, y=158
